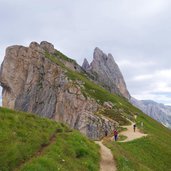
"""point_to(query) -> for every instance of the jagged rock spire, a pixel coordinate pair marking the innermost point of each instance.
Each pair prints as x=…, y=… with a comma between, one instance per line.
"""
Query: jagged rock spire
x=107, y=73
x=85, y=64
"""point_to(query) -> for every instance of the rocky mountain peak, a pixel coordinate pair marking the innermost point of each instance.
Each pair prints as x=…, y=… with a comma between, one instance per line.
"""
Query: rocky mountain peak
x=107, y=73
x=34, y=45
x=47, y=46
x=85, y=65
x=110, y=57
x=98, y=54
x=43, y=46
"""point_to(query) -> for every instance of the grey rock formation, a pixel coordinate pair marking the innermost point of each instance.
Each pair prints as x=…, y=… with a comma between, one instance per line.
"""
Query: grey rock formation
x=108, y=105
x=33, y=83
x=157, y=111
x=85, y=64
x=107, y=73
x=47, y=46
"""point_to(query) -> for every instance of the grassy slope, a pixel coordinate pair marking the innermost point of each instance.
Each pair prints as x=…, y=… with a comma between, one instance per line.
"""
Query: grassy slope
x=23, y=135
x=150, y=153
x=69, y=152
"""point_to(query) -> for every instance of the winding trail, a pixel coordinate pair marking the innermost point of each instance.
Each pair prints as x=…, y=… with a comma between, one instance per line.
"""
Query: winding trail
x=107, y=161
x=130, y=134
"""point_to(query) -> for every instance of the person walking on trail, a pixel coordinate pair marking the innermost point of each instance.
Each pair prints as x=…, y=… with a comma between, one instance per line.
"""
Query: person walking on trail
x=115, y=135
x=106, y=132
x=134, y=127
x=142, y=124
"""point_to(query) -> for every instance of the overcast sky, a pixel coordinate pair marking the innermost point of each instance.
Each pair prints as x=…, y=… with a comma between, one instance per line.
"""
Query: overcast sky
x=136, y=32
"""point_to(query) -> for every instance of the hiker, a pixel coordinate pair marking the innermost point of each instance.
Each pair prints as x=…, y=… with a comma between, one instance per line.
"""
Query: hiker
x=134, y=126
x=115, y=135
x=106, y=132
x=142, y=124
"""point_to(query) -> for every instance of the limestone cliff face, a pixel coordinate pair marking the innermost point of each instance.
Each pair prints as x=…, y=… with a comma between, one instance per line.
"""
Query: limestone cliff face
x=33, y=83
x=106, y=72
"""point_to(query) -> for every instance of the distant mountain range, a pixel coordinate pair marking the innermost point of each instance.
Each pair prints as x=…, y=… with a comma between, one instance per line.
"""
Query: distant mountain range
x=157, y=111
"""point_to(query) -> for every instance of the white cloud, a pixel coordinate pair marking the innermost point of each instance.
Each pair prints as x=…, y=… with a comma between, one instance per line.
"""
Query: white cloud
x=143, y=77
x=158, y=86
x=161, y=77
x=135, y=64
x=165, y=74
x=161, y=87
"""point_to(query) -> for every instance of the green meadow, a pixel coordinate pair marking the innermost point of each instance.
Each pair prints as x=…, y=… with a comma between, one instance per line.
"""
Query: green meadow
x=31, y=143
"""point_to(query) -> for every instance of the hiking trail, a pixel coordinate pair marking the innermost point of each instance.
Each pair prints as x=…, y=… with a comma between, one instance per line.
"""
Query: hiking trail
x=130, y=134
x=107, y=162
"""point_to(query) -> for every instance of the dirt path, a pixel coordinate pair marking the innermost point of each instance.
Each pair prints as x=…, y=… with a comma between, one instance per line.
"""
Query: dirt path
x=107, y=161
x=130, y=134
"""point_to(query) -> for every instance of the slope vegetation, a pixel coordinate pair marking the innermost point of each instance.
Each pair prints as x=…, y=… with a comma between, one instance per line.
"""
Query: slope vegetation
x=28, y=142
x=145, y=154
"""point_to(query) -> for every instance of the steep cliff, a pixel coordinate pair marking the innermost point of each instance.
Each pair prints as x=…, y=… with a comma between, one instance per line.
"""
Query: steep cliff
x=32, y=82
x=106, y=72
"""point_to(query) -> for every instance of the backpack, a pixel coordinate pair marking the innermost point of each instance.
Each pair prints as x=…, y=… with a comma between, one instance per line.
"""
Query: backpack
x=115, y=132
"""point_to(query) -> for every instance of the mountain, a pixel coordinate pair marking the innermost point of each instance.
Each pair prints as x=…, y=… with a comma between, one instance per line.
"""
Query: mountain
x=157, y=111
x=106, y=72
x=41, y=80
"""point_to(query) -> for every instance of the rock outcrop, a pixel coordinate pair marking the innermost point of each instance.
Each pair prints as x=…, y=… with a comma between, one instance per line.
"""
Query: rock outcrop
x=106, y=72
x=85, y=64
x=33, y=83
